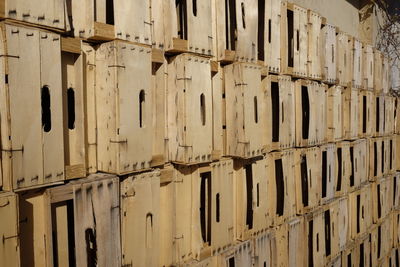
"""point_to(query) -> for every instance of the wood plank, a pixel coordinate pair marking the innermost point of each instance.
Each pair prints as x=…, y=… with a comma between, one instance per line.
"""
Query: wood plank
x=71, y=45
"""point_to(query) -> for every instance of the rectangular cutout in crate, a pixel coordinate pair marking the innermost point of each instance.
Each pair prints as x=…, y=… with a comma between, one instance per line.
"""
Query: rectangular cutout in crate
x=237, y=37
x=31, y=157
x=329, y=53
x=280, y=112
x=311, y=113
x=245, y=117
x=334, y=115
x=124, y=139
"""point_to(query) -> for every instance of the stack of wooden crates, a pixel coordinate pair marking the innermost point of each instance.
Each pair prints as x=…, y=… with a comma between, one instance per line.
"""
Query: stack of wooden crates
x=193, y=133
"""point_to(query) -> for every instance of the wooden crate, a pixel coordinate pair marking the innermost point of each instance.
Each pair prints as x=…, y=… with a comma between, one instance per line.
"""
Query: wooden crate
x=245, y=116
x=31, y=156
x=386, y=71
x=344, y=168
x=124, y=138
x=48, y=14
x=269, y=34
x=329, y=53
x=379, y=111
x=140, y=220
x=351, y=255
x=315, y=37
x=335, y=262
x=296, y=239
x=334, y=114
x=103, y=20
x=356, y=63
x=218, y=113
x=187, y=26
x=378, y=74
x=76, y=224
x=311, y=113
x=396, y=115
x=328, y=173
x=360, y=211
x=366, y=109
x=264, y=249
x=359, y=163
x=389, y=123
x=315, y=232
x=89, y=71
x=344, y=58
x=376, y=158
x=381, y=241
x=189, y=108
x=294, y=44
x=350, y=105
x=9, y=230
x=396, y=228
x=368, y=67
x=73, y=85
x=240, y=255
x=382, y=199
x=307, y=174
x=396, y=139
x=364, y=250
x=395, y=186
x=280, y=112
x=237, y=37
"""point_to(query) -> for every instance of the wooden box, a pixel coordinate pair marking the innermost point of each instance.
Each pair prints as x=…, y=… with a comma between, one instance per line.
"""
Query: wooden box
x=329, y=172
x=337, y=221
x=237, y=37
x=351, y=255
x=183, y=26
x=311, y=113
x=123, y=106
x=245, y=116
x=329, y=53
x=44, y=13
x=357, y=63
x=366, y=112
x=396, y=228
x=359, y=154
x=360, y=211
x=31, y=99
x=279, y=112
x=350, y=105
x=379, y=120
x=315, y=40
x=240, y=255
x=382, y=71
x=294, y=41
x=381, y=241
x=382, y=199
x=9, y=230
x=189, y=109
x=307, y=174
x=107, y=20
x=140, y=220
x=364, y=251
x=264, y=249
x=368, y=67
x=89, y=71
x=386, y=71
x=344, y=168
x=334, y=114
x=296, y=239
x=315, y=231
x=218, y=112
x=395, y=186
x=376, y=158
x=73, y=86
x=344, y=58
x=390, y=115
x=269, y=34
x=75, y=224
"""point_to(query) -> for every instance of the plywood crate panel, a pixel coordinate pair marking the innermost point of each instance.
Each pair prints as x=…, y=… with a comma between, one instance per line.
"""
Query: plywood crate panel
x=344, y=68
x=357, y=63
x=189, y=109
x=396, y=115
x=73, y=114
x=366, y=112
x=381, y=241
x=364, y=250
x=315, y=231
x=395, y=186
x=218, y=113
x=350, y=105
x=279, y=112
x=344, y=168
x=311, y=113
x=378, y=68
x=307, y=174
x=396, y=139
x=123, y=89
x=245, y=116
x=368, y=67
x=386, y=70
x=376, y=158
x=329, y=53
x=329, y=172
x=237, y=36
x=103, y=20
x=9, y=230
x=396, y=228
x=334, y=113
x=240, y=255
x=140, y=220
x=337, y=221
x=379, y=120
x=269, y=34
x=389, y=127
x=31, y=96
x=314, y=62
x=382, y=196
x=48, y=13
x=360, y=211
x=359, y=155
x=294, y=40
x=187, y=26
x=351, y=256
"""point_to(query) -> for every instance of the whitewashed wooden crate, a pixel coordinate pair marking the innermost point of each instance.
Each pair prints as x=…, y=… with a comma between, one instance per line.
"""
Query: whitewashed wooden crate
x=344, y=59
x=107, y=20
x=315, y=40
x=334, y=113
x=123, y=107
x=9, y=230
x=31, y=96
x=329, y=172
x=368, y=67
x=189, y=109
x=366, y=116
x=329, y=53
x=350, y=106
x=357, y=63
